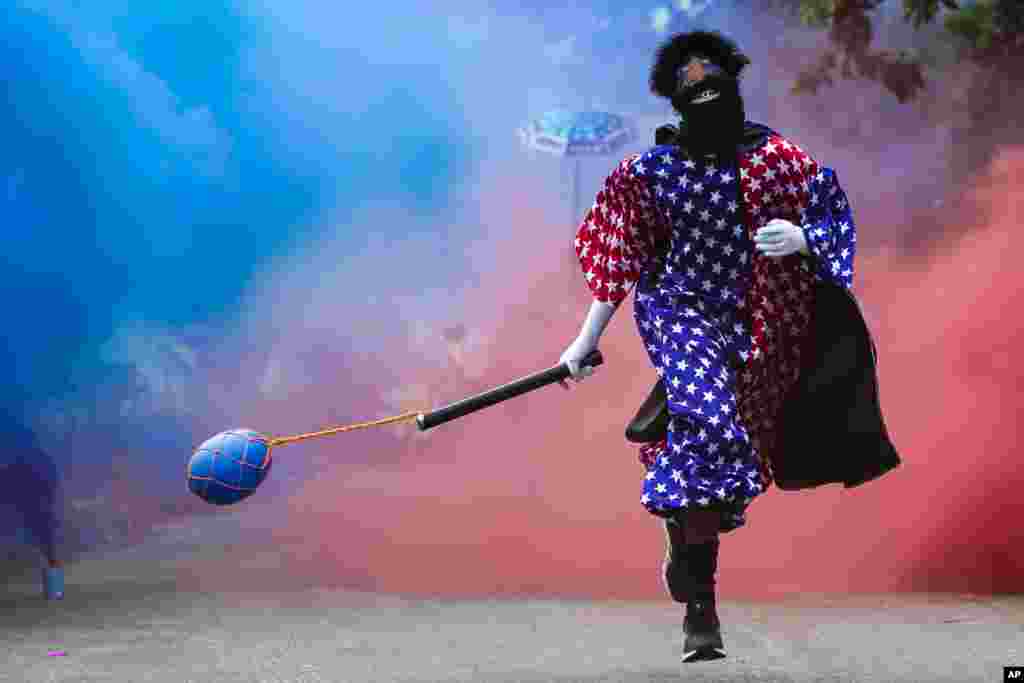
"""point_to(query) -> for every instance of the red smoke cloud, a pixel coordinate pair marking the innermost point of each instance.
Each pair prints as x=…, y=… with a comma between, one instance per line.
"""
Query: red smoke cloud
x=540, y=495
x=952, y=383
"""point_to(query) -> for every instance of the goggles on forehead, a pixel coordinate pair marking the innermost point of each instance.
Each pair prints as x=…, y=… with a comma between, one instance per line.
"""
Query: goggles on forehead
x=710, y=69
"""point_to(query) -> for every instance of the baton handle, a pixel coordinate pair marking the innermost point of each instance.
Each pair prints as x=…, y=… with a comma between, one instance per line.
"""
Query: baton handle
x=503, y=393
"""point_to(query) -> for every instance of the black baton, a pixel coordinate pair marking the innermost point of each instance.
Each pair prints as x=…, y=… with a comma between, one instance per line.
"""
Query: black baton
x=503, y=393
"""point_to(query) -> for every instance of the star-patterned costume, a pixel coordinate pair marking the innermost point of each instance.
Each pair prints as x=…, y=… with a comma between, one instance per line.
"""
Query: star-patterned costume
x=723, y=325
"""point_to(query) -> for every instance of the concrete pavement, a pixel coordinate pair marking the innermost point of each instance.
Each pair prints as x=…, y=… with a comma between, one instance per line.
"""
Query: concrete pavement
x=127, y=618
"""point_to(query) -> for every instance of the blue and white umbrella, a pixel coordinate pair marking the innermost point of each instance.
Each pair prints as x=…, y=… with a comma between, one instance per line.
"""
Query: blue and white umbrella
x=576, y=134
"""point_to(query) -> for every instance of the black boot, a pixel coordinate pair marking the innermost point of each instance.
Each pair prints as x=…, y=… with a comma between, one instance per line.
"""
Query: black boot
x=702, y=627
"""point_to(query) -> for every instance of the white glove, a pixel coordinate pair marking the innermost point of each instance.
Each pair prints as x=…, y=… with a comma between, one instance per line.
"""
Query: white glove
x=597, y=320
x=574, y=355
x=779, y=238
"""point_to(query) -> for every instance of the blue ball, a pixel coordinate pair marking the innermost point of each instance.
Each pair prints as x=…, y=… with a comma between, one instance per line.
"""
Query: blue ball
x=228, y=467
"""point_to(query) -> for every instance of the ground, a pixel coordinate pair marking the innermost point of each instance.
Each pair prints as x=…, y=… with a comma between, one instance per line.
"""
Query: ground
x=129, y=617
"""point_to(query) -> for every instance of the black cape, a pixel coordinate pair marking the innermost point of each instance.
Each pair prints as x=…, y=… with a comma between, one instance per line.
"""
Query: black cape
x=835, y=400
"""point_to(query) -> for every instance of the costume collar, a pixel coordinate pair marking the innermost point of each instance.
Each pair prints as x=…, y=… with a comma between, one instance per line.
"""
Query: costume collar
x=754, y=136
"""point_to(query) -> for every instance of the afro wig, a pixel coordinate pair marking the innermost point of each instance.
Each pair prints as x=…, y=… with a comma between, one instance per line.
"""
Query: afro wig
x=679, y=49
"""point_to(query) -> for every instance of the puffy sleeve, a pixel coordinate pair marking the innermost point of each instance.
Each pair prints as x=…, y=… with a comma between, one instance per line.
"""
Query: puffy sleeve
x=824, y=213
x=827, y=222
x=621, y=233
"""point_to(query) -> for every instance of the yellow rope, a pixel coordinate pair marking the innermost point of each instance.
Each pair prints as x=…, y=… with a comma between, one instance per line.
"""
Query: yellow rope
x=282, y=440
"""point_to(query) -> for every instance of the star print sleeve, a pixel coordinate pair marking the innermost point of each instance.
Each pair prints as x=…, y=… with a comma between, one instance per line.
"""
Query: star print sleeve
x=828, y=226
x=620, y=234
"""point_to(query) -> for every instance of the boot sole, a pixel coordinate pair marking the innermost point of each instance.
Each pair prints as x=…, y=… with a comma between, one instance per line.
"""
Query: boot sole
x=703, y=647
x=703, y=654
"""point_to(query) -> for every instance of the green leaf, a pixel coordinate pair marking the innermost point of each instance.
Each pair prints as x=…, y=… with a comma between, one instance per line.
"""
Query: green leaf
x=974, y=23
x=817, y=13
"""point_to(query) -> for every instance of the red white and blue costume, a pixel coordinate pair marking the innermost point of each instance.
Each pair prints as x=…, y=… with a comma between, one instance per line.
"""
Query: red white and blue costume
x=726, y=328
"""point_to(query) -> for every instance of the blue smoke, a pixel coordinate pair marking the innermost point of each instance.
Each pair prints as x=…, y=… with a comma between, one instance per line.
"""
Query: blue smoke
x=147, y=176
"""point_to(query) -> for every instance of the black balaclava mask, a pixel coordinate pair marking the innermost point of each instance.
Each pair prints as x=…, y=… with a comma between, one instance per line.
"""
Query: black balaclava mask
x=713, y=114
x=712, y=108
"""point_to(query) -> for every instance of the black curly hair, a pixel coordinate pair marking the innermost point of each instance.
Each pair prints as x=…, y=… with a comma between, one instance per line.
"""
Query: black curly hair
x=680, y=48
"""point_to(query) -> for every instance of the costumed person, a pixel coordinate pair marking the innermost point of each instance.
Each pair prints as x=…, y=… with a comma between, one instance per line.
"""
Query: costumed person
x=29, y=482
x=740, y=246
